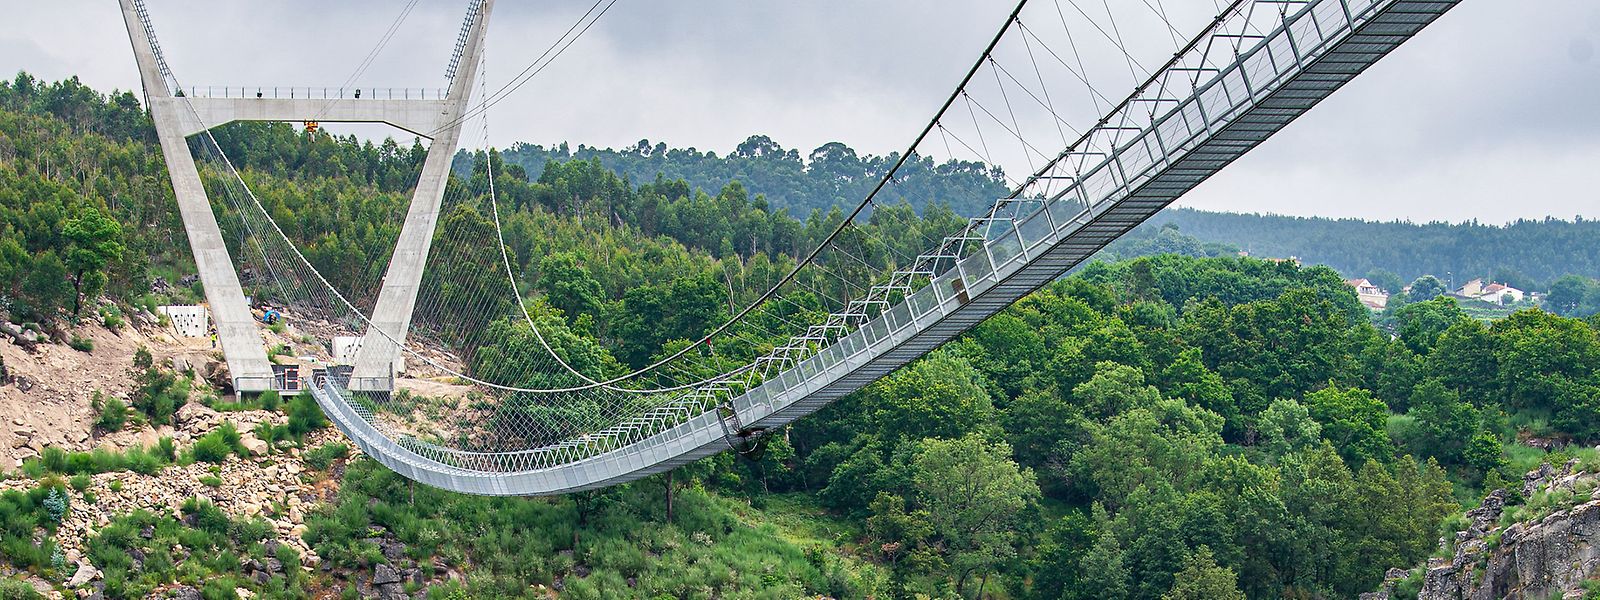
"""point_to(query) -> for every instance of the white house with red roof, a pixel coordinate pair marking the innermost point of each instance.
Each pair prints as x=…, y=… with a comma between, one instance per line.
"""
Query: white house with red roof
x=1497, y=293
x=1370, y=295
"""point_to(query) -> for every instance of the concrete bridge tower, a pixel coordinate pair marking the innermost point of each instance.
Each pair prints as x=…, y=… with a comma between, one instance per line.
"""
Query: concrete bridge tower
x=438, y=119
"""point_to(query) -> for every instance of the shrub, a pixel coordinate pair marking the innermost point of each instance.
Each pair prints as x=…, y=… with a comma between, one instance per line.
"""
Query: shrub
x=215, y=447
x=321, y=457
x=56, y=503
x=142, y=358
x=160, y=394
x=113, y=412
x=269, y=400
x=269, y=433
x=211, y=448
x=116, y=485
x=16, y=589
x=80, y=482
x=81, y=344
x=206, y=516
x=210, y=481
x=54, y=459
x=146, y=463
x=111, y=316
x=305, y=416
x=165, y=448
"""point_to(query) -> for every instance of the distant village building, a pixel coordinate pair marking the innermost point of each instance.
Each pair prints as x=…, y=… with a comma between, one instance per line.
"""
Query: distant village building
x=1501, y=294
x=1497, y=293
x=1292, y=259
x=1370, y=295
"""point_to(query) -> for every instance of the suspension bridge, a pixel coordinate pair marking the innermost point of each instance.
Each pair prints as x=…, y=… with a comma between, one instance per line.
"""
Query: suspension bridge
x=1102, y=151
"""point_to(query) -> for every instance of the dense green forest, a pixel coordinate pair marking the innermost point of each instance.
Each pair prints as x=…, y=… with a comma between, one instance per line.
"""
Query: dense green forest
x=831, y=176
x=1188, y=424
x=1527, y=254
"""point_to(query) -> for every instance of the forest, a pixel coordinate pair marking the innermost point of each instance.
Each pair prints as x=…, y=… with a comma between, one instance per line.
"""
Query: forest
x=1174, y=422
x=1527, y=254
x=831, y=176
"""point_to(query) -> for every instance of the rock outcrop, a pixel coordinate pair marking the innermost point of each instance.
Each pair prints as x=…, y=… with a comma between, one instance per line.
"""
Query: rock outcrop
x=1547, y=556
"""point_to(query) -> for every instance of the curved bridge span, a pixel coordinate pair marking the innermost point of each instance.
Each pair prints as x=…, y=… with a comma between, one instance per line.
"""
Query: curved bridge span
x=1187, y=122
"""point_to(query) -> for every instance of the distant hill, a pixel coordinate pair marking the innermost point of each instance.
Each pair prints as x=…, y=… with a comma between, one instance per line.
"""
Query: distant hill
x=1528, y=254
x=829, y=176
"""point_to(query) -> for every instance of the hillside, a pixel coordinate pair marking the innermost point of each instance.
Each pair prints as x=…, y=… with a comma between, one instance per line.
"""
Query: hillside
x=831, y=176
x=1530, y=254
x=1188, y=424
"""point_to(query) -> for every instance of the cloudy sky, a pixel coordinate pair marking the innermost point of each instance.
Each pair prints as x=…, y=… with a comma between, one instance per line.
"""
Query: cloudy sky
x=1489, y=114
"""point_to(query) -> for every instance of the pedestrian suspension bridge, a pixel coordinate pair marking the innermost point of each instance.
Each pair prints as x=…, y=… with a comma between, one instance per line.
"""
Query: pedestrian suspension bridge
x=1092, y=129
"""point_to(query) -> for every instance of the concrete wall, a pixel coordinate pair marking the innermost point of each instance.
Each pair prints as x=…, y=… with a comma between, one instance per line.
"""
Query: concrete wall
x=188, y=320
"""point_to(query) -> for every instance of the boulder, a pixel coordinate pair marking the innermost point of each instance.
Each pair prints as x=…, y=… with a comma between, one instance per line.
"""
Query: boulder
x=252, y=443
x=392, y=549
x=384, y=574
x=85, y=574
x=193, y=415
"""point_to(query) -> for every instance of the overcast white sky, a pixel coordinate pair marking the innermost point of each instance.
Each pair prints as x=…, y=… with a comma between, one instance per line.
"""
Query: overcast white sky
x=1489, y=114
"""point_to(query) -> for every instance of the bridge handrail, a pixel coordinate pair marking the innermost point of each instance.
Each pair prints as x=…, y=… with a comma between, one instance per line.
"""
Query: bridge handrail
x=305, y=92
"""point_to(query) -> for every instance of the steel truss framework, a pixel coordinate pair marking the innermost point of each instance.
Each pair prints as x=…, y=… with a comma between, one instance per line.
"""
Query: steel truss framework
x=1231, y=88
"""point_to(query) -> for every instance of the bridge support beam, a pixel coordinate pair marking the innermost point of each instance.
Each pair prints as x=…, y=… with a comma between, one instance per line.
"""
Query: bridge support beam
x=376, y=361
x=420, y=117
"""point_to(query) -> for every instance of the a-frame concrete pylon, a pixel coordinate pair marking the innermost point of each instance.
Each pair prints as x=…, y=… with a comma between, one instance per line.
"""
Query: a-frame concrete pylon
x=177, y=118
x=391, y=317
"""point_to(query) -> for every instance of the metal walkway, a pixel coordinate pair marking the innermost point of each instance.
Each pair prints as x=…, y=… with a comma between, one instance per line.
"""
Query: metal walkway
x=1161, y=142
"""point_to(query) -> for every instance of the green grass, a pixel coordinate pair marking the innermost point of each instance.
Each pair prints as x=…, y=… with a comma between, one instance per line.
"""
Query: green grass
x=81, y=344
x=799, y=518
x=321, y=457
x=100, y=460
x=1521, y=459
x=215, y=447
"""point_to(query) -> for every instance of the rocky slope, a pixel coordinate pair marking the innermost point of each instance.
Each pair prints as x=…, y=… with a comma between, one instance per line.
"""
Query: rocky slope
x=47, y=390
x=1546, y=548
x=46, y=401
